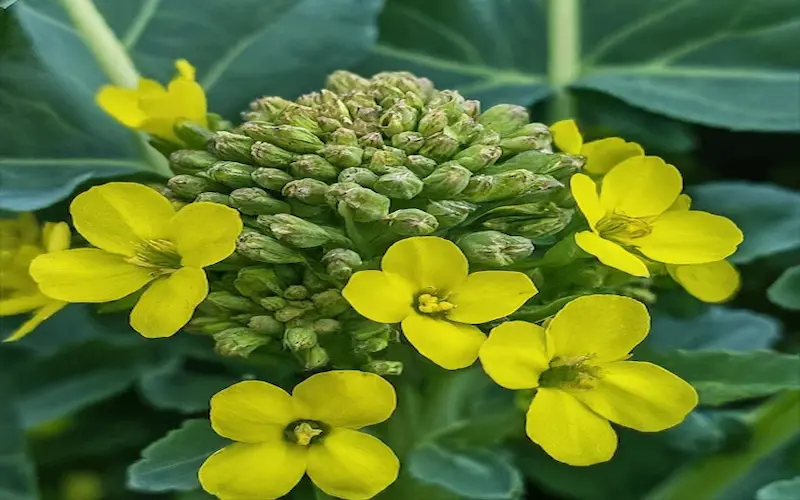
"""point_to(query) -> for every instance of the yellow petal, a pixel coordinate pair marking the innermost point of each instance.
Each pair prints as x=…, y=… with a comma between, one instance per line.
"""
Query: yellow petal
x=87, y=275
x=567, y=137
x=117, y=216
x=449, y=345
x=641, y=186
x=352, y=465
x=39, y=317
x=205, y=233
x=427, y=262
x=713, y=282
x=150, y=90
x=640, y=395
x=168, y=304
x=606, y=327
x=189, y=100
x=381, y=297
x=569, y=431
x=185, y=69
x=515, y=354
x=55, y=236
x=682, y=203
x=263, y=471
x=489, y=295
x=122, y=104
x=690, y=237
x=605, y=154
x=347, y=398
x=161, y=126
x=18, y=304
x=584, y=190
x=247, y=411
x=611, y=254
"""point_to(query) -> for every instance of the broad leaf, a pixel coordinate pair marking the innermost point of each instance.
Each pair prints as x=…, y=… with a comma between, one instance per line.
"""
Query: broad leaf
x=786, y=290
x=786, y=489
x=171, y=387
x=17, y=476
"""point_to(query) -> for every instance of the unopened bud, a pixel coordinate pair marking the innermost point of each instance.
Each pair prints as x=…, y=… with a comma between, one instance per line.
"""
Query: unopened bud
x=313, y=282
x=386, y=160
x=365, y=205
x=289, y=313
x=300, y=232
x=298, y=339
x=384, y=367
x=230, y=146
x=301, y=116
x=412, y=222
x=239, y=341
x=504, y=118
x=432, y=122
x=522, y=143
x=483, y=188
x=232, y=174
x=271, y=106
x=315, y=167
x=258, y=281
x=330, y=303
x=478, y=157
x=273, y=304
x=361, y=176
x=264, y=248
x=342, y=81
x=540, y=163
x=314, y=358
x=230, y=302
x=410, y=142
x=308, y=191
x=494, y=248
x=362, y=329
x=472, y=107
x=370, y=345
x=189, y=186
x=464, y=130
x=450, y=101
x=343, y=137
x=422, y=166
x=256, y=201
x=531, y=228
x=192, y=134
x=271, y=178
x=265, y=325
x=439, y=146
x=371, y=140
x=488, y=138
x=450, y=213
x=326, y=326
x=399, y=118
x=341, y=263
x=447, y=181
x=295, y=139
x=343, y=156
x=189, y=161
x=212, y=197
x=209, y=325
x=270, y=155
x=401, y=184
x=295, y=292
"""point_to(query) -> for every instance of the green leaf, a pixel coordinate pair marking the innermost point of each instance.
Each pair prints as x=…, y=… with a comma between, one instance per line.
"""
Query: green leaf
x=471, y=474
x=17, y=474
x=768, y=215
x=722, y=377
x=172, y=462
x=785, y=292
x=171, y=387
x=787, y=489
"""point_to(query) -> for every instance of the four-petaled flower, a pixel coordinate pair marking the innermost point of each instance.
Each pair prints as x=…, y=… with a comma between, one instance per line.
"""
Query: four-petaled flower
x=140, y=241
x=582, y=379
x=154, y=109
x=424, y=284
x=280, y=437
x=601, y=155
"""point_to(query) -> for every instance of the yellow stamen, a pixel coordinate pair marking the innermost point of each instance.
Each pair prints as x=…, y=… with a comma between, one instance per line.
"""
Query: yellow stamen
x=304, y=433
x=619, y=226
x=431, y=304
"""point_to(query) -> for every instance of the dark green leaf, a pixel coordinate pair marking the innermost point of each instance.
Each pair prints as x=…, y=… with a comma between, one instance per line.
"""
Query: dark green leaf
x=786, y=290
x=171, y=387
x=172, y=462
x=787, y=489
x=17, y=476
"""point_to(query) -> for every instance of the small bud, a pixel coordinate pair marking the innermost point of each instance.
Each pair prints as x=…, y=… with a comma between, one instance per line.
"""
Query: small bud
x=440, y=147
x=540, y=163
x=478, y=157
x=504, y=118
x=266, y=325
x=230, y=146
x=519, y=144
x=464, y=130
x=264, y=248
x=311, y=99
x=270, y=155
x=239, y=341
x=450, y=213
x=212, y=197
x=192, y=134
x=329, y=124
x=386, y=160
x=273, y=304
x=208, y=325
x=326, y=326
x=342, y=81
x=494, y=248
x=447, y=181
x=401, y=184
x=189, y=186
x=258, y=281
x=384, y=367
x=371, y=140
x=308, y=191
x=412, y=222
x=271, y=178
x=298, y=339
x=271, y=106
x=256, y=201
x=422, y=166
x=361, y=176
x=314, y=167
x=472, y=108
x=232, y=174
x=301, y=116
x=313, y=281
x=289, y=313
x=410, y=142
x=483, y=188
x=189, y=161
x=432, y=122
x=532, y=228
x=343, y=137
x=343, y=156
x=341, y=263
x=330, y=303
x=230, y=302
x=295, y=139
x=337, y=192
x=450, y=101
x=365, y=205
x=300, y=232
x=370, y=345
x=331, y=106
x=363, y=329
x=314, y=358
x=295, y=292
x=531, y=129
x=401, y=117
x=488, y=138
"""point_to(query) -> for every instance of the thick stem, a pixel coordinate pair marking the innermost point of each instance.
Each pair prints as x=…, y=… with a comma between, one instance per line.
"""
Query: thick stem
x=564, y=55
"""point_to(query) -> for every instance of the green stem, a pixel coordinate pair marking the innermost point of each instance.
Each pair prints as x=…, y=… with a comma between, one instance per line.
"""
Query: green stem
x=564, y=55
x=773, y=425
x=114, y=61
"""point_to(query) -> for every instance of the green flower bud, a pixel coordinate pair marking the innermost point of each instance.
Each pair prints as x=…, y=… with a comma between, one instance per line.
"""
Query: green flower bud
x=337, y=192
x=439, y=146
x=315, y=167
x=343, y=156
x=258, y=281
x=271, y=107
x=409, y=142
x=192, y=134
x=301, y=116
x=531, y=228
x=432, y=122
x=311, y=99
x=361, y=176
x=314, y=358
x=493, y=248
x=399, y=118
x=256, y=201
x=266, y=325
x=370, y=345
x=358, y=100
x=189, y=186
x=326, y=326
x=343, y=81
x=343, y=137
x=539, y=163
x=450, y=101
x=446, y=181
x=341, y=263
x=295, y=139
x=239, y=341
x=189, y=161
x=384, y=367
x=313, y=282
x=522, y=143
x=362, y=329
x=401, y=184
x=450, y=213
x=231, y=174
x=329, y=124
x=270, y=155
x=295, y=292
x=472, y=108
x=289, y=313
x=531, y=129
x=271, y=178
x=331, y=106
x=487, y=138
x=422, y=166
x=264, y=248
x=308, y=191
x=300, y=232
x=330, y=303
x=478, y=157
x=412, y=222
x=371, y=140
x=364, y=205
x=482, y=188
x=386, y=160
x=504, y=118
x=212, y=197
x=298, y=339
x=208, y=326
x=273, y=304
x=230, y=146
x=464, y=130
x=230, y=302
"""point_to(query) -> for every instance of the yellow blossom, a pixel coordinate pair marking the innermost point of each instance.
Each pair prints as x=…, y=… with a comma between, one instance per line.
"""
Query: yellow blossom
x=141, y=241
x=20, y=242
x=637, y=209
x=279, y=437
x=601, y=155
x=154, y=109
x=582, y=379
x=424, y=284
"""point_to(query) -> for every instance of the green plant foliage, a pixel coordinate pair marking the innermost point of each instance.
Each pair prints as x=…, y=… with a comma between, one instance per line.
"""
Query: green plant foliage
x=173, y=387
x=786, y=489
x=17, y=477
x=786, y=290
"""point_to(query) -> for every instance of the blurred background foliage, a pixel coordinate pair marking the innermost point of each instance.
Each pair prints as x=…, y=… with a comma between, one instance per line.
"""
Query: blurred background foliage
x=712, y=86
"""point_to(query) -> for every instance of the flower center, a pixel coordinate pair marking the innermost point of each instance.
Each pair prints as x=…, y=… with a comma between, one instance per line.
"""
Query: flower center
x=431, y=304
x=158, y=254
x=304, y=432
x=571, y=373
x=622, y=227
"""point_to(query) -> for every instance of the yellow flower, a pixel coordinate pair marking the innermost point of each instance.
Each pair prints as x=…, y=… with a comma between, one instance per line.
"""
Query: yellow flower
x=140, y=241
x=582, y=379
x=315, y=431
x=154, y=109
x=424, y=284
x=20, y=242
x=601, y=155
x=638, y=208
